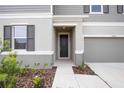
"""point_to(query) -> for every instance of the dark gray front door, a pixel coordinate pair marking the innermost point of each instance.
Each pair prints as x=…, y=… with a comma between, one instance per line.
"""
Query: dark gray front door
x=63, y=46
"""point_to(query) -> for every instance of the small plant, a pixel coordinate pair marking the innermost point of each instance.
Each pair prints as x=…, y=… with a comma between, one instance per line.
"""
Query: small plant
x=36, y=64
x=24, y=70
x=6, y=45
x=83, y=66
x=35, y=67
x=45, y=65
x=37, y=82
x=43, y=71
x=33, y=70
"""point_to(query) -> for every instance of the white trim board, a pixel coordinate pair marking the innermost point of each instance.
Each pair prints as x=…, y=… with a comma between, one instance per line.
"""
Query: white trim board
x=70, y=16
x=64, y=24
x=103, y=24
x=79, y=51
x=103, y=35
x=22, y=52
x=26, y=15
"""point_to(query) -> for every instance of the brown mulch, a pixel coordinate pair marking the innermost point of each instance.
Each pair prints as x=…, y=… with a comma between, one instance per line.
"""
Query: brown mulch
x=25, y=80
x=87, y=70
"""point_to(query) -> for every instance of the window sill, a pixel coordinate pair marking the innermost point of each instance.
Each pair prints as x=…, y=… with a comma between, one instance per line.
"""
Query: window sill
x=92, y=13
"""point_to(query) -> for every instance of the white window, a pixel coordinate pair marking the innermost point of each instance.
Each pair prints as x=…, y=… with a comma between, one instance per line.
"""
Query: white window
x=19, y=37
x=96, y=9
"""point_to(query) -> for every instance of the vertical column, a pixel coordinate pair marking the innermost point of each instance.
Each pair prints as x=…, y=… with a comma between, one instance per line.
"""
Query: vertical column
x=79, y=47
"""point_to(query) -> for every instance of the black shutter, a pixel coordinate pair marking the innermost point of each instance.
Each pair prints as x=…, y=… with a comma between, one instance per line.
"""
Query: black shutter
x=30, y=37
x=8, y=37
x=105, y=8
x=86, y=8
x=120, y=9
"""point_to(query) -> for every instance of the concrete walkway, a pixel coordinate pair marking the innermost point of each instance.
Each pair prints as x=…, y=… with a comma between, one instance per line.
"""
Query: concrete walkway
x=65, y=78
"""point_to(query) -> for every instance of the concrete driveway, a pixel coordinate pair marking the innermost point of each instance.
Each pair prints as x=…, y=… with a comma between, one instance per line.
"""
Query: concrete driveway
x=111, y=73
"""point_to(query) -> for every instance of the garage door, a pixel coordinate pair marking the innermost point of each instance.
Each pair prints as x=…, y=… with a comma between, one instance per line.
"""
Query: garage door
x=97, y=49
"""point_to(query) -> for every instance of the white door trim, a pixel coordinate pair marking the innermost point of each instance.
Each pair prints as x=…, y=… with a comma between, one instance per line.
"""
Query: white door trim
x=63, y=33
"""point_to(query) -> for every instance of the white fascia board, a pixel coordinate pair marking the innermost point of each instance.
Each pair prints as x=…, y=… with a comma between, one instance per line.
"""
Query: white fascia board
x=64, y=24
x=26, y=15
x=103, y=24
x=19, y=24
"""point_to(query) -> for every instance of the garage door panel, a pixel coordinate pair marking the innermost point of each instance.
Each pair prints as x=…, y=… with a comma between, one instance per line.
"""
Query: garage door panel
x=104, y=49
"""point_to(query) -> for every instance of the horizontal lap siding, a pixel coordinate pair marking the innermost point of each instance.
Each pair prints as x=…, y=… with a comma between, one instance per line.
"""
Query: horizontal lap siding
x=68, y=9
x=24, y=8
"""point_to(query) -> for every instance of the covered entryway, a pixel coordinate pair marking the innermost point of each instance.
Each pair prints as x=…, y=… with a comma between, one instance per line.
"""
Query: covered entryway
x=68, y=42
x=64, y=42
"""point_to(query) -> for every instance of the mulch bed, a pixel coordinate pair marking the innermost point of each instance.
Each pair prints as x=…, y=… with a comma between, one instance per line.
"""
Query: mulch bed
x=25, y=80
x=87, y=70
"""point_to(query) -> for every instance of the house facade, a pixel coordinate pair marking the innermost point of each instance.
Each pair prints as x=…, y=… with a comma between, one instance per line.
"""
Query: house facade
x=46, y=33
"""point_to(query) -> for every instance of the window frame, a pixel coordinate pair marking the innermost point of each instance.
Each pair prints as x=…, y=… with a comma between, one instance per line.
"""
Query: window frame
x=13, y=38
x=91, y=12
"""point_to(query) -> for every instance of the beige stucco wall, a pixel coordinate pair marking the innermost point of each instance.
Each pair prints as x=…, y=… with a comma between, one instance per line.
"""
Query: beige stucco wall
x=78, y=37
x=43, y=32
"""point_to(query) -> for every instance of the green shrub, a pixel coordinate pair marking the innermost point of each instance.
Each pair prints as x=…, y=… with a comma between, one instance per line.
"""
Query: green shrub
x=3, y=79
x=7, y=81
x=10, y=68
x=11, y=82
x=10, y=65
x=37, y=82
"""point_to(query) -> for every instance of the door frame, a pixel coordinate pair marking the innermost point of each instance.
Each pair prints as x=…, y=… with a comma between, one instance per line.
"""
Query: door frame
x=63, y=33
